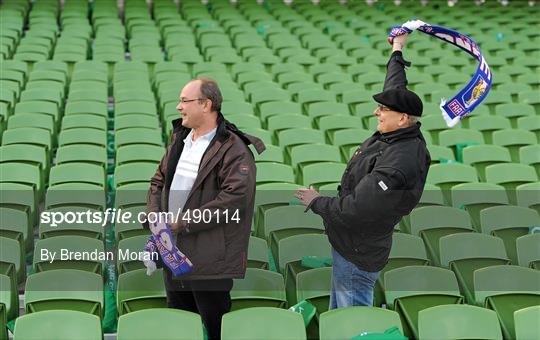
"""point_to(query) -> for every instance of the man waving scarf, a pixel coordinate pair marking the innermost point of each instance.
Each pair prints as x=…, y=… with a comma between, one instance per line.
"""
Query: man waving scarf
x=476, y=90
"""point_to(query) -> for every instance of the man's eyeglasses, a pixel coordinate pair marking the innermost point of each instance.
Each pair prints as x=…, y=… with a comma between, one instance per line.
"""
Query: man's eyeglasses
x=383, y=108
x=184, y=101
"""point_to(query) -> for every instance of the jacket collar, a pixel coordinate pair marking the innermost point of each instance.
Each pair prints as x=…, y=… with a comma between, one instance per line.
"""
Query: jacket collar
x=405, y=133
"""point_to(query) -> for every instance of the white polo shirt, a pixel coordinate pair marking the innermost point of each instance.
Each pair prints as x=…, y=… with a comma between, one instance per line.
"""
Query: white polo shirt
x=187, y=169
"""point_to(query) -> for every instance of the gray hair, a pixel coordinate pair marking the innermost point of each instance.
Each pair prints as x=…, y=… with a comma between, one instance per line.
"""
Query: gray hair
x=210, y=90
x=413, y=120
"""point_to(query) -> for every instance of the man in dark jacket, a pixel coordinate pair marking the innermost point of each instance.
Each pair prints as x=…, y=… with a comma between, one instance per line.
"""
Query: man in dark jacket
x=207, y=180
x=383, y=182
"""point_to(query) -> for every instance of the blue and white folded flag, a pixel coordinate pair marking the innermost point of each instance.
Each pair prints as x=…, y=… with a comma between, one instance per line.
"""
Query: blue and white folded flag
x=476, y=90
x=162, y=242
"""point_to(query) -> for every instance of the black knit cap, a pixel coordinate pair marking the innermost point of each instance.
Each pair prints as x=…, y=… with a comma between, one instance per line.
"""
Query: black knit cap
x=401, y=100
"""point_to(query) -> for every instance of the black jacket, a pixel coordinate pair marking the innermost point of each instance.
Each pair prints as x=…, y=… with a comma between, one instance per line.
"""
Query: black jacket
x=383, y=182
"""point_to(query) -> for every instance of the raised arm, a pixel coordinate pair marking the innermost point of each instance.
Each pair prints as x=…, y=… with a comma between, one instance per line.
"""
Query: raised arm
x=395, y=68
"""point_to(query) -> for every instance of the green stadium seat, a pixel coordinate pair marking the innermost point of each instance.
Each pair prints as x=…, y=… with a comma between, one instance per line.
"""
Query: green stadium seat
x=38, y=106
x=84, y=121
x=237, y=108
x=314, y=286
x=278, y=222
x=527, y=196
x=28, y=135
x=506, y=289
x=257, y=253
x=514, y=111
x=271, y=154
x=50, y=65
x=137, y=291
x=82, y=136
x=345, y=323
x=23, y=173
x=530, y=155
x=508, y=223
x=86, y=107
x=353, y=98
x=251, y=324
x=133, y=173
x=446, y=176
x=464, y=253
x=433, y=124
x=480, y=156
x=138, y=136
x=53, y=75
x=58, y=324
x=410, y=289
x=440, y=322
x=440, y=154
x=82, y=153
x=473, y=197
x=243, y=121
x=139, y=153
x=529, y=97
x=330, y=124
x=530, y=123
x=131, y=228
x=9, y=302
x=135, y=121
x=510, y=175
x=16, y=224
x=513, y=139
x=68, y=243
x=292, y=250
x=285, y=107
x=407, y=250
x=459, y=139
x=21, y=197
x=26, y=153
x=134, y=325
x=295, y=136
x=135, y=107
x=278, y=122
x=265, y=95
x=77, y=173
x=527, y=250
x=349, y=139
x=268, y=172
x=133, y=244
x=432, y=195
x=524, y=321
x=302, y=155
x=497, y=98
x=433, y=222
x=259, y=288
x=64, y=289
x=76, y=194
x=49, y=95
x=12, y=261
x=488, y=124
x=321, y=173
x=309, y=97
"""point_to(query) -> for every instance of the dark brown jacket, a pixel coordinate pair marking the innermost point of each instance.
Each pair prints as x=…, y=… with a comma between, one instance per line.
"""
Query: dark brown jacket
x=225, y=181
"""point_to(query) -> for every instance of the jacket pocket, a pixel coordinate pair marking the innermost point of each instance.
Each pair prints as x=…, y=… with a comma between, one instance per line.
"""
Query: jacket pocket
x=210, y=246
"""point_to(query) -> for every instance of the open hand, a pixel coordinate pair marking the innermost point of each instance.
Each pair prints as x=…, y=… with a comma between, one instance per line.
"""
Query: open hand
x=306, y=195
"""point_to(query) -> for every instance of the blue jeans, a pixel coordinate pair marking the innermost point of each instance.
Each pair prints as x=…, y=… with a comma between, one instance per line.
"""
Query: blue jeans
x=351, y=286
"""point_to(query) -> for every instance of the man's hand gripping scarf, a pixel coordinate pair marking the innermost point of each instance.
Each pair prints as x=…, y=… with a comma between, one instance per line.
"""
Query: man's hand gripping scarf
x=162, y=242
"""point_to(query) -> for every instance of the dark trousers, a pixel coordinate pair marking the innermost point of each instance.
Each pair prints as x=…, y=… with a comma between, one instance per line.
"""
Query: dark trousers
x=209, y=298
